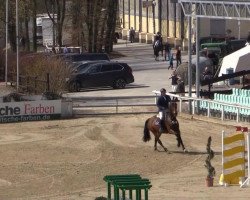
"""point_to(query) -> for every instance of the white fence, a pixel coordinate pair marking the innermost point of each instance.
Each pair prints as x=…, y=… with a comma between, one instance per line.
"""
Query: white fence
x=216, y=108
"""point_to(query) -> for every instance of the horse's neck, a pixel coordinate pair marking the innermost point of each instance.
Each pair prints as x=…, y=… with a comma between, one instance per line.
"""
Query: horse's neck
x=172, y=113
x=173, y=118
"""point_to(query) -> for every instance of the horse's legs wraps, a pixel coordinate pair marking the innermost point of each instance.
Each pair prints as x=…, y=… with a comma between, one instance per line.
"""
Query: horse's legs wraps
x=159, y=141
x=180, y=142
x=156, y=143
x=178, y=138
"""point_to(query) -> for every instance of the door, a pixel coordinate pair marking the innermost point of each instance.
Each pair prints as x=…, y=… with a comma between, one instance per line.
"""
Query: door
x=106, y=77
x=91, y=77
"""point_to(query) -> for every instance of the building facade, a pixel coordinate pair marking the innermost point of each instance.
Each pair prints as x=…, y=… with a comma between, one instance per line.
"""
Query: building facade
x=148, y=17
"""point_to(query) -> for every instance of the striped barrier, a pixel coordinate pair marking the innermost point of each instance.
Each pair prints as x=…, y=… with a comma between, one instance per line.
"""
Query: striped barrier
x=234, y=152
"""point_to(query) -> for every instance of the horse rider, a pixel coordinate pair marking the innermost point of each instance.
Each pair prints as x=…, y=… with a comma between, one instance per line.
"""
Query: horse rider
x=162, y=104
x=158, y=36
x=157, y=46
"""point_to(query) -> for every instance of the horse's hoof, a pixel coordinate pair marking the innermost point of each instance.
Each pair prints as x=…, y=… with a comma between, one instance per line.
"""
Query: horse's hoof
x=165, y=149
x=185, y=150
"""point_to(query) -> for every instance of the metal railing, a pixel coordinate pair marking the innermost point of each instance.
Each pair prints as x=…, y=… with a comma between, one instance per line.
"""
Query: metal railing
x=114, y=105
x=31, y=84
x=147, y=104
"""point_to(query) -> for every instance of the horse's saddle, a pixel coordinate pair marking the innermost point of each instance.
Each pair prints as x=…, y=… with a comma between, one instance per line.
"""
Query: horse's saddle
x=157, y=121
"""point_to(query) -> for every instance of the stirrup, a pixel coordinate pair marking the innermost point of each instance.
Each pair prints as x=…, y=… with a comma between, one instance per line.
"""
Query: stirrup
x=161, y=130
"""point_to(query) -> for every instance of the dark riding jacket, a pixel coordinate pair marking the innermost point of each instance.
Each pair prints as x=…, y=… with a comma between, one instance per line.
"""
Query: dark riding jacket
x=162, y=102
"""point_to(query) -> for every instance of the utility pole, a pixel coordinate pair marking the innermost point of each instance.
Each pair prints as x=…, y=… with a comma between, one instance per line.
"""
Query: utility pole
x=6, y=42
x=17, y=47
x=189, y=65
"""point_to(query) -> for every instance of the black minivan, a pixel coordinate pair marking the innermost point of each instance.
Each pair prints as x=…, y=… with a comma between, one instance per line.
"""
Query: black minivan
x=114, y=74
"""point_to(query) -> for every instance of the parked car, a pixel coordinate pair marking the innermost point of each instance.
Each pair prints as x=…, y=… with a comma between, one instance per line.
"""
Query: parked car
x=114, y=74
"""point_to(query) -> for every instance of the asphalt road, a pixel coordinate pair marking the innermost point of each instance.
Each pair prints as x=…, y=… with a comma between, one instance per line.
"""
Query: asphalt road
x=149, y=74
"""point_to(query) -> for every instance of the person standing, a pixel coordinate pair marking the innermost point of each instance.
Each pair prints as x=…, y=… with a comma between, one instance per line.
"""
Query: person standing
x=180, y=87
x=167, y=51
x=171, y=61
x=207, y=74
x=53, y=50
x=174, y=80
x=163, y=108
x=23, y=42
x=132, y=35
x=178, y=56
x=65, y=49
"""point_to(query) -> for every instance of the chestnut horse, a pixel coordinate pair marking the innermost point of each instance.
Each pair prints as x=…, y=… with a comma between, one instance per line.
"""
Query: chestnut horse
x=171, y=127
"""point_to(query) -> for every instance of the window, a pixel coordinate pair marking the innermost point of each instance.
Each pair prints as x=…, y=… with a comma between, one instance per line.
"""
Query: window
x=117, y=67
x=79, y=57
x=95, y=69
x=82, y=67
x=106, y=67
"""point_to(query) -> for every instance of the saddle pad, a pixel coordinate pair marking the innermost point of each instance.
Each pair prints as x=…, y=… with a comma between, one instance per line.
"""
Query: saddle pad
x=157, y=121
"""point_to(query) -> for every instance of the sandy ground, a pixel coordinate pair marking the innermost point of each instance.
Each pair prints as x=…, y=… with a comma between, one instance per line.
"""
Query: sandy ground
x=67, y=159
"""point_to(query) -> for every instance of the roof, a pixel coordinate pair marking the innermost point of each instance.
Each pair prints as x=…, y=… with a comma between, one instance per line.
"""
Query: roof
x=239, y=60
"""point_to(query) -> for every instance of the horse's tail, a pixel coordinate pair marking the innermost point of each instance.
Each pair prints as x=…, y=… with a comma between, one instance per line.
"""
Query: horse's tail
x=146, y=135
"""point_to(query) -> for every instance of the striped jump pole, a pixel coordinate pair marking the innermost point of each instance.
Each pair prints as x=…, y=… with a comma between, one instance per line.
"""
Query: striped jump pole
x=233, y=156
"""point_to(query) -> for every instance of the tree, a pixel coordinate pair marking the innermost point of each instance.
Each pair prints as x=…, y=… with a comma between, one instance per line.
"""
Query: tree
x=26, y=24
x=77, y=25
x=34, y=13
x=58, y=7
x=93, y=21
x=111, y=23
x=89, y=23
x=12, y=26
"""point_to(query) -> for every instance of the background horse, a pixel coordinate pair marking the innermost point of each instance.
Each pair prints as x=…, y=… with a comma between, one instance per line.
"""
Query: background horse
x=158, y=46
x=172, y=127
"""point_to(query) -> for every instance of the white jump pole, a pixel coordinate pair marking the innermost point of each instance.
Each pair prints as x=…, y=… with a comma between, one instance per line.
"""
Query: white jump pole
x=222, y=150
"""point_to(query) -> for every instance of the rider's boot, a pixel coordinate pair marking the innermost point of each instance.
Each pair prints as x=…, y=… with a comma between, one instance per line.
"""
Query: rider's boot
x=162, y=127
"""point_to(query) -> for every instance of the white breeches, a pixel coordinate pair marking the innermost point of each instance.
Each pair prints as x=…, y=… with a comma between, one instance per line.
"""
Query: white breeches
x=161, y=115
x=174, y=87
